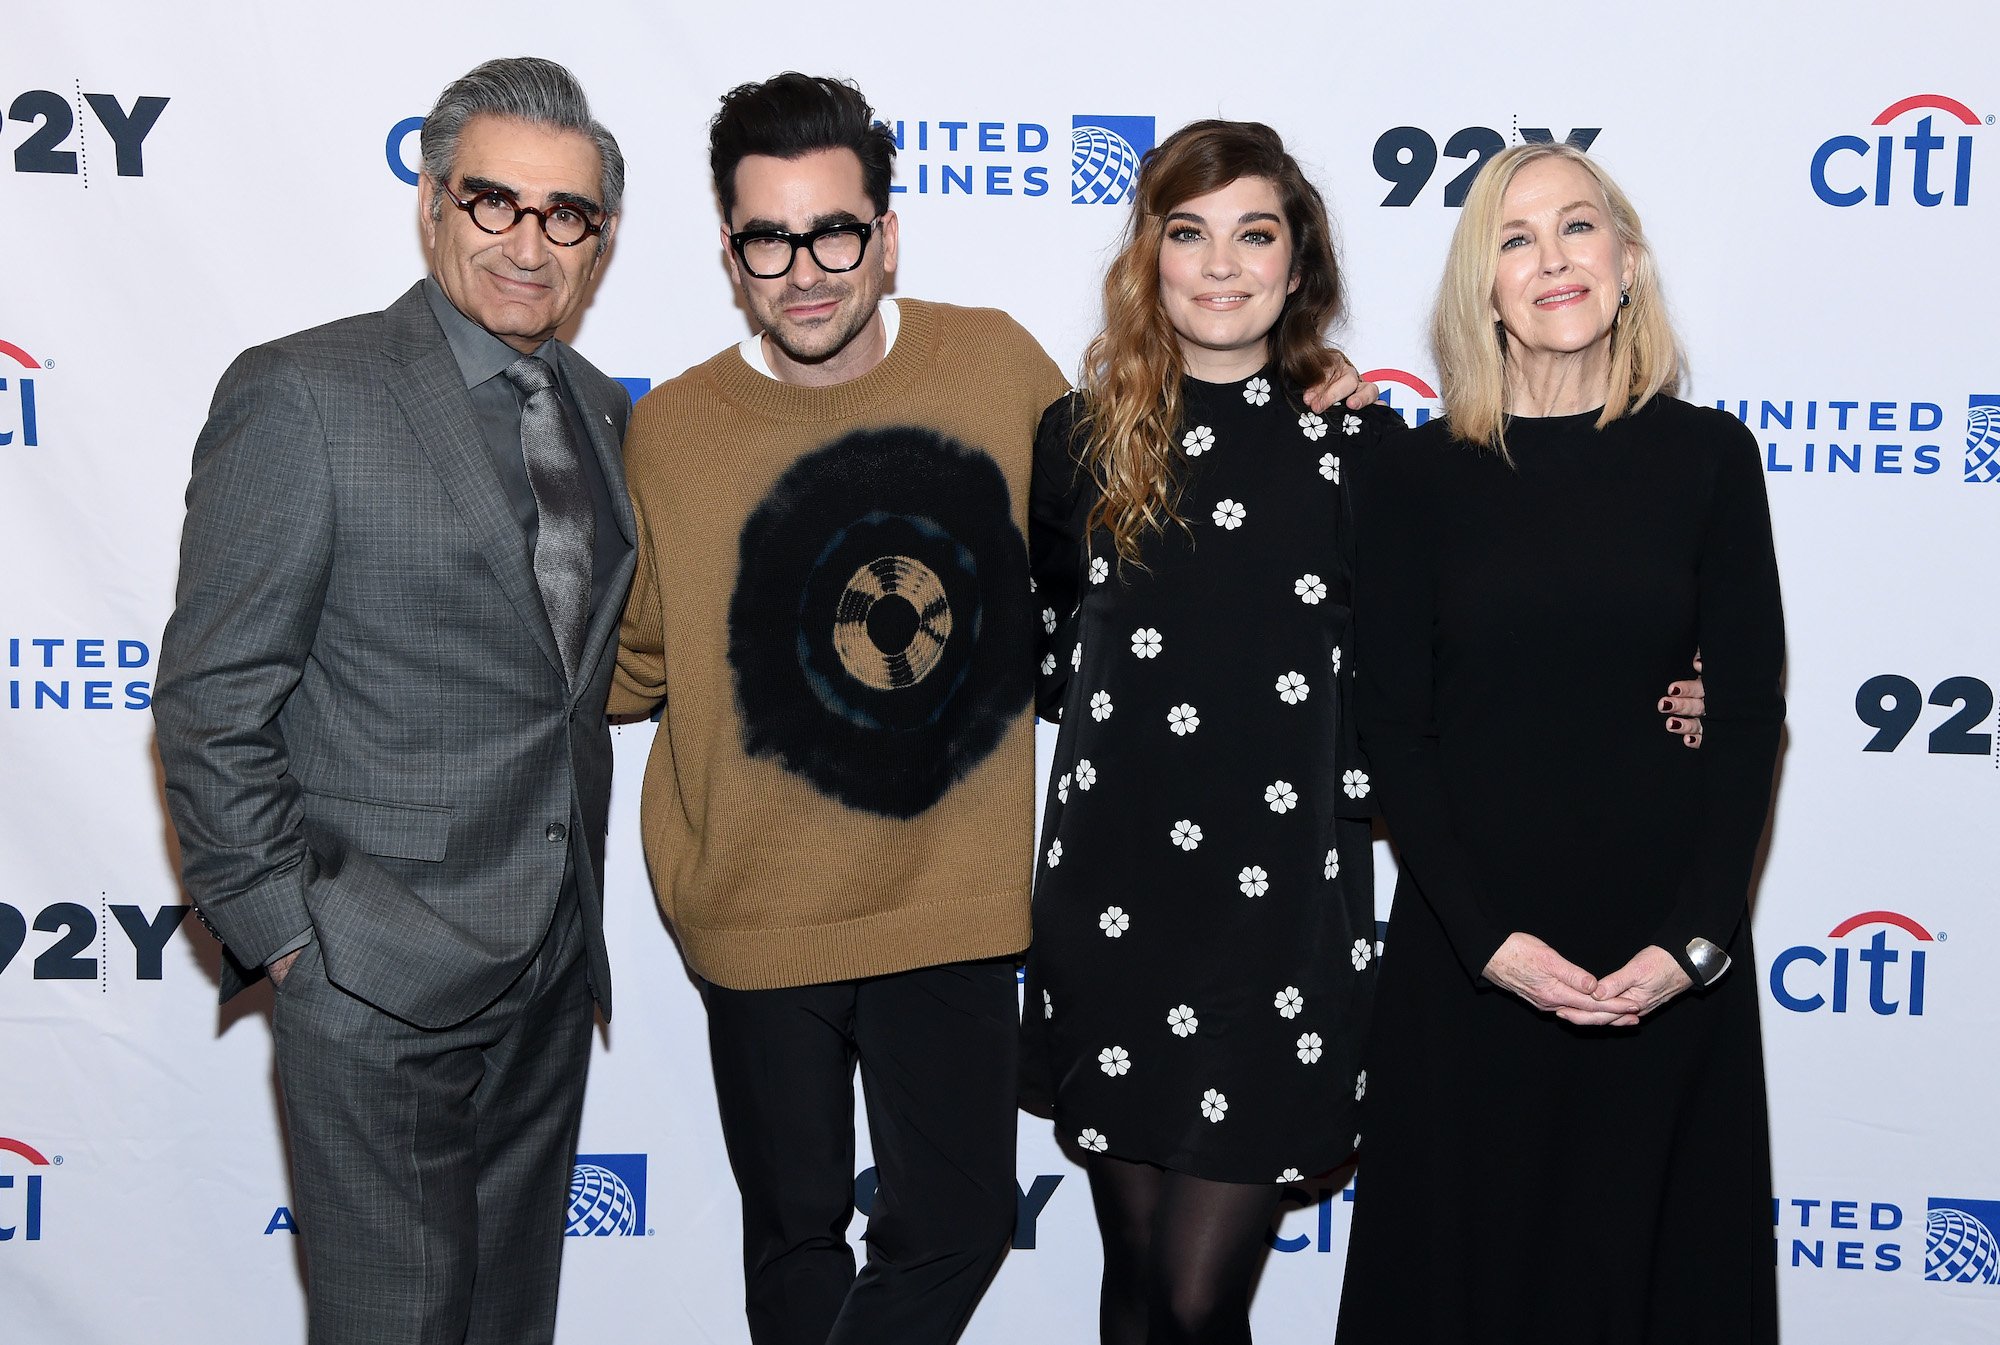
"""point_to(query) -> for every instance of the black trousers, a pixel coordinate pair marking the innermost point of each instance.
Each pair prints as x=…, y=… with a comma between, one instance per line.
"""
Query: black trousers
x=936, y=1049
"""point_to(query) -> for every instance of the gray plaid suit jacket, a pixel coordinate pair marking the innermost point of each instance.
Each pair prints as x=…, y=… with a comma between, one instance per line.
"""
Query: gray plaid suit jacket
x=362, y=715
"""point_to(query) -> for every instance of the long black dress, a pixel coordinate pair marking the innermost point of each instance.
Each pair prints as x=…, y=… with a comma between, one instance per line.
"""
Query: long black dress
x=1204, y=931
x=1524, y=1180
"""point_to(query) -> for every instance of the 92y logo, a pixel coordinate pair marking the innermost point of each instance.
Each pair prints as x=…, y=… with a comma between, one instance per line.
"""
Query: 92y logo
x=63, y=960
x=1891, y=704
x=1407, y=156
x=54, y=118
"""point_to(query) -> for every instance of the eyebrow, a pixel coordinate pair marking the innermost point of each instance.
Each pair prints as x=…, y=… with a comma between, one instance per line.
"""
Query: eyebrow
x=1573, y=205
x=577, y=200
x=762, y=225
x=1247, y=217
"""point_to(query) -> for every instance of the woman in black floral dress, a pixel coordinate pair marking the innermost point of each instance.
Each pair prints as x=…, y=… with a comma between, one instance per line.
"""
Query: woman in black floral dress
x=1204, y=912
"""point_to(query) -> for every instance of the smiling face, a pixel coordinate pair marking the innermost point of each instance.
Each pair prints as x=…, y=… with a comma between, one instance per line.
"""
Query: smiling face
x=822, y=324
x=1225, y=269
x=516, y=284
x=1560, y=271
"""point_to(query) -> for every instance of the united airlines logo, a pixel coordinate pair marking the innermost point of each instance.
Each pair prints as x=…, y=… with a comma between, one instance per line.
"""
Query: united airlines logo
x=1959, y=1242
x=1104, y=155
x=19, y=422
x=607, y=1197
x=1872, y=436
x=1982, y=438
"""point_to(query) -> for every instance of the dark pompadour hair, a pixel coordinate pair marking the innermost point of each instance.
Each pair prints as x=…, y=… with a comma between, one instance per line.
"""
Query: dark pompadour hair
x=791, y=115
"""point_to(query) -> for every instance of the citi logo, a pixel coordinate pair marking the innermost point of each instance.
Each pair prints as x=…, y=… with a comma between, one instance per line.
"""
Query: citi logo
x=1408, y=395
x=21, y=1193
x=19, y=423
x=1929, y=164
x=1886, y=980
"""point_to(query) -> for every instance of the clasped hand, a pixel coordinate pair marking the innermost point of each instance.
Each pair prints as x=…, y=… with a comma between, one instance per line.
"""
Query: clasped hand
x=1551, y=982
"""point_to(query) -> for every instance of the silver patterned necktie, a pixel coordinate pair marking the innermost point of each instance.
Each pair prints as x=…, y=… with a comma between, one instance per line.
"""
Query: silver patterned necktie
x=565, y=537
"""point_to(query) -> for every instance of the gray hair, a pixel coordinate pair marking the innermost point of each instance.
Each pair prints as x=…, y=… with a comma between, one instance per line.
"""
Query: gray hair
x=526, y=88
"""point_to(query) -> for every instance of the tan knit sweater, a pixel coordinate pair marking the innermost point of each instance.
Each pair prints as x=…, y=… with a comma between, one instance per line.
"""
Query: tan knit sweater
x=832, y=602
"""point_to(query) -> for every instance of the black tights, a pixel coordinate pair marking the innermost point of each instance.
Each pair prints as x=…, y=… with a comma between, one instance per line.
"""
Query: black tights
x=1181, y=1253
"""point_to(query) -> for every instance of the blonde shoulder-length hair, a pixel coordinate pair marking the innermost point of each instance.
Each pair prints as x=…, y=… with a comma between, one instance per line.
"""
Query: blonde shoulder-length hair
x=1471, y=349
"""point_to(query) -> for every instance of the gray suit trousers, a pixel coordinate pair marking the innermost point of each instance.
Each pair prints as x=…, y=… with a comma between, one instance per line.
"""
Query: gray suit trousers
x=431, y=1166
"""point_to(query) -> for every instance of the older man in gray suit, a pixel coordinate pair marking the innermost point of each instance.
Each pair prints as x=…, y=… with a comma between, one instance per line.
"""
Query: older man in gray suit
x=381, y=714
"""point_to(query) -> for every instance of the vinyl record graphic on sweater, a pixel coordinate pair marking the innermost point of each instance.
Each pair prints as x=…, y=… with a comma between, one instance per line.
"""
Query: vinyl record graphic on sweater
x=879, y=631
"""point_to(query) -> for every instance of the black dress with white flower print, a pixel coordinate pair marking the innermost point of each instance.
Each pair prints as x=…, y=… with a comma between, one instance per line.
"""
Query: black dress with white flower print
x=1204, y=930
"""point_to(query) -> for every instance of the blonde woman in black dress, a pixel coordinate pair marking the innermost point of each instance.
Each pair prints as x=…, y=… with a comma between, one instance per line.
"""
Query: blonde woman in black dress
x=1565, y=1111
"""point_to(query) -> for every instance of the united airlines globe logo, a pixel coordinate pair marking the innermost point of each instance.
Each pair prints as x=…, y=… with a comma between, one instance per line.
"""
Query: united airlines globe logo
x=607, y=1196
x=1959, y=1246
x=1104, y=158
x=1982, y=439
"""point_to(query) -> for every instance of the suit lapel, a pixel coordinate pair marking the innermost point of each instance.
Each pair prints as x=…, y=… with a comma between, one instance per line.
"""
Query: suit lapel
x=431, y=393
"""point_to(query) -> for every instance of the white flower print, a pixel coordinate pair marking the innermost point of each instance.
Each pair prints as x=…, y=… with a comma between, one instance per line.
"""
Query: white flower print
x=1329, y=467
x=1310, y=589
x=1100, y=569
x=1049, y=620
x=1186, y=834
x=1360, y=1087
x=1055, y=854
x=1076, y=656
x=1292, y=688
x=1033, y=587
x=1357, y=1139
x=1100, y=705
x=1198, y=441
x=1048, y=664
x=1092, y=1141
x=1228, y=515
x=1257, y=391
x=1254, y=881
x=1048, y=1006
x=1336, y=658
x=1313, y=425
x=1281, y=796
x=1146, y=642
x=1309, y=1045
x=1350, y=424
x=1288, y=1002
x=1062, y=790
x=1114, y=1060
x=1361, y=954
x=1183, y=720
x=1332, y=869
x=1355, y=783
x=1114, y=922
x=1086, y=775
x=1182, y=1020
x=1214, y=1105
x=1289, y=1175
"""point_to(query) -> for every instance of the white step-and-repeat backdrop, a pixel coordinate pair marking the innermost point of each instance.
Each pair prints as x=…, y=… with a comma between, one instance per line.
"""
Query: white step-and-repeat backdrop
x=179, y=182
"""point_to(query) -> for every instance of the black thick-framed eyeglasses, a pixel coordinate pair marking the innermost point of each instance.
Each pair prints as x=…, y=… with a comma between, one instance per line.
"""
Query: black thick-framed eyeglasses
x=495, y=212
x=769, y=253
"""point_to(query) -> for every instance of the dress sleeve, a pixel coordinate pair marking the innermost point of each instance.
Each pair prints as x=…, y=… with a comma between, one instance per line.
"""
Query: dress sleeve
x=1059, y=502
x=1375, y=430
x=1396, y=613
x=1742, y=625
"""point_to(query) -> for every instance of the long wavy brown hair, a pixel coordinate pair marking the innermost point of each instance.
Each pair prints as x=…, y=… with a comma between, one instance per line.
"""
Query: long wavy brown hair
x=1132, y=369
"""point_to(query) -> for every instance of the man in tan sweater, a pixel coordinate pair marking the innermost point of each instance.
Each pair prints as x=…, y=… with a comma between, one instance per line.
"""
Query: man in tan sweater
x=832, y=603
